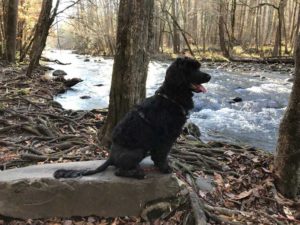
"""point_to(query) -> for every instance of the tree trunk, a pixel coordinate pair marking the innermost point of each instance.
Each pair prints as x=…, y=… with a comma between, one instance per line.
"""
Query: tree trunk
x=293, y=26
x=195, y=21
x=11, y=30
x=278, y=39
x=233, y=12
x=128, y=87
x=244, y=14
x=44, y=23
x=203, y=30
x=176, y=38
x=297, y=26
x=21, y=27
x=223, y=47
x=287, y=159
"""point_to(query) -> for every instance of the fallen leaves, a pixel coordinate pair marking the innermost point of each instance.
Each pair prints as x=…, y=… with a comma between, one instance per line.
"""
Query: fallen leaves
x=240, y=196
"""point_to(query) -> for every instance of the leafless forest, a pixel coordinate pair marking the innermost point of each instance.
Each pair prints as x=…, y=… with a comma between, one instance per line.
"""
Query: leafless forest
x=257, y=28
x=211, y=28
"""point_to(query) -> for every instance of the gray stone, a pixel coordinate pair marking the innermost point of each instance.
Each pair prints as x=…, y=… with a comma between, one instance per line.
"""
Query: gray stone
x=59, y=73
x=204, y=184
x=235, y=100
x=32, y=192
x=191, y=137
x=85, y=97
x=291, y=79
x=192, y=129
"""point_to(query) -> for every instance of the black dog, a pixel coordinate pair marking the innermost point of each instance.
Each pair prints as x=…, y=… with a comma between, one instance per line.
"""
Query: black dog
x=154, y=125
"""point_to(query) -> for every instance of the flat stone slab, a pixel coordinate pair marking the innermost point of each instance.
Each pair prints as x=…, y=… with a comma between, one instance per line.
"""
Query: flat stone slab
x=33, y=192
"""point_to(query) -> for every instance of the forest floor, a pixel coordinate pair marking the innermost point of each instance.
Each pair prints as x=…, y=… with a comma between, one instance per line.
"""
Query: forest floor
x=227, y=184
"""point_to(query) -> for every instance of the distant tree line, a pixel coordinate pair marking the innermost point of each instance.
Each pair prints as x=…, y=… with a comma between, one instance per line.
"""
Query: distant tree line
x=258, y=28
x=261, y=28
x=25, y=27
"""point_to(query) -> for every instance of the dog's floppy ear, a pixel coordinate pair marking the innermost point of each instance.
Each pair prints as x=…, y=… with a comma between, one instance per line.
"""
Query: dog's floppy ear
x=175, y=76
x=187, y=63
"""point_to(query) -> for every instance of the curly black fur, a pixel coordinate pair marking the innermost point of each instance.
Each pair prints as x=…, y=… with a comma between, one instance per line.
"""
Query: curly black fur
x=152, y=126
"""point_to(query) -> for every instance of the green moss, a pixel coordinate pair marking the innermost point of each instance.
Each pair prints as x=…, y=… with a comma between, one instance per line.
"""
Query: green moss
x=2, y=106
x=23, y=91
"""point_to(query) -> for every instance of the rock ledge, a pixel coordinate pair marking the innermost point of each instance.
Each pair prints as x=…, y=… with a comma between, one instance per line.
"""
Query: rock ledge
x=32, y=192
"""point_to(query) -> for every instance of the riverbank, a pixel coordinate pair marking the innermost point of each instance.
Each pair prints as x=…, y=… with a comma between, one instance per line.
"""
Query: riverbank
x=229, y=183
x=263, y=90
x=214, y=60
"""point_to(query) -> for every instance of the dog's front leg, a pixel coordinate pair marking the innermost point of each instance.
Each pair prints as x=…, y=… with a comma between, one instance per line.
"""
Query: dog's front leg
x=160, y=158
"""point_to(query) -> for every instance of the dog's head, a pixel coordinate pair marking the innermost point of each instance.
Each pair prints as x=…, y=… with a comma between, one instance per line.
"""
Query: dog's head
x=184, y=74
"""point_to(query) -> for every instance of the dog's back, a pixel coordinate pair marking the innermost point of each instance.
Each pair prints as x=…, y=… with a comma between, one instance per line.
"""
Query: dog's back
x=150, y=123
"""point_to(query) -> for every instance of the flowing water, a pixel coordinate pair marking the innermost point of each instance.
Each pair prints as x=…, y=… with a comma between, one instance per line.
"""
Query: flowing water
x=254, y=121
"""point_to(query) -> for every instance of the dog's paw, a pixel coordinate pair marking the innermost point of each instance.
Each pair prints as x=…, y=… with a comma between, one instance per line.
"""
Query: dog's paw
x=165, y=168
x=137, y=174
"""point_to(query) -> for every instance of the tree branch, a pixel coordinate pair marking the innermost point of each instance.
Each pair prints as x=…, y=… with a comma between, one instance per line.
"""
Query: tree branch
x=260, y=5
x=71, y=5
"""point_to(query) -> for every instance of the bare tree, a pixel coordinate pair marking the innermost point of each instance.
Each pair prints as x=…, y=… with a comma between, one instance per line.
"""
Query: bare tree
x=11, y=30
x=287, y=159
x=223, y=45
x=44, y=23
x=176, y=38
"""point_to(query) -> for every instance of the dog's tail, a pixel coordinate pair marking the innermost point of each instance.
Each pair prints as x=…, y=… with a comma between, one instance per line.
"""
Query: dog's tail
x=62, y=173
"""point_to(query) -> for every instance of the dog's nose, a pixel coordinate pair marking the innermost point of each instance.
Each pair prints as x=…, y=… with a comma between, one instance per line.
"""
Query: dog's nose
x=207, y=77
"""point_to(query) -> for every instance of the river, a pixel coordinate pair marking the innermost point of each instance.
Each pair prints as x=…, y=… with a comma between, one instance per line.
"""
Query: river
x=254, y=121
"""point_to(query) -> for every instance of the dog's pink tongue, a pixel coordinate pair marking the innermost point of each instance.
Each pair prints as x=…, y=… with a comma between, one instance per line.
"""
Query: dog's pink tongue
x=201, y=88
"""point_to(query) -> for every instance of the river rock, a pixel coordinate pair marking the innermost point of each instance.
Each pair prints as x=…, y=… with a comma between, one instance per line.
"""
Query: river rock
x=273, y=67
x=86, y=60
x=59, y=78
x=192, y=130
x=85, y=97
x=291, y=79
x=235, y=100
x=33, y=192
x=46, y=68
x=71, y=82
x=59, y=73
x=99, y=85
x=263, y=77
x=204, y=184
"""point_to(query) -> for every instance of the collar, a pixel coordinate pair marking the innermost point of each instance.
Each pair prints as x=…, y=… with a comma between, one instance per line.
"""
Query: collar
x=183, y=111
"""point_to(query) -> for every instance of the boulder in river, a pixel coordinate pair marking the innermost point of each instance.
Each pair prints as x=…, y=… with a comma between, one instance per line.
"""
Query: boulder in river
x=85, y=97
x=99, y=85
x=86, y=60
x=59, y=73
x=235, y=100
x=59, y=78
x=263, y=77
x=291, y=79
x=192, y=129
x=71, y=82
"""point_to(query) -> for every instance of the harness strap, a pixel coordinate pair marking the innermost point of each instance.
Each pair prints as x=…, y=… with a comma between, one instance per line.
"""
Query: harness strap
x=184, y=112
x=142, y=115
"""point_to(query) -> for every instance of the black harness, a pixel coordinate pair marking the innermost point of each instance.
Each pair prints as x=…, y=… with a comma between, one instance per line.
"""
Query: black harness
x=183, y=111
x=143, y=117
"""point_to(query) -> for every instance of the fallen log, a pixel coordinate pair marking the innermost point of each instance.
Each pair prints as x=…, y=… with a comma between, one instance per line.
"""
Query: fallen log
x=53, y=60
x=269, y=60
